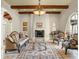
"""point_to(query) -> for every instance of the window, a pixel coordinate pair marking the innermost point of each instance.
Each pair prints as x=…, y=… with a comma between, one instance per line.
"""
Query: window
x=74, y=24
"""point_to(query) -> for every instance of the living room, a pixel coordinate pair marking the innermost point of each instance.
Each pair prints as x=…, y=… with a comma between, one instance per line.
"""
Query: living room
x=18, y=18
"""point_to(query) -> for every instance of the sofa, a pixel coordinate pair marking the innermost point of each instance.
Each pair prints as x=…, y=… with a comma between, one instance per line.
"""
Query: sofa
x=15, y=41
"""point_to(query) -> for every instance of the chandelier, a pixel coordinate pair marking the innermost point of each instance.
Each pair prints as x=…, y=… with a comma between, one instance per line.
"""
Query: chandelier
x=39, y=10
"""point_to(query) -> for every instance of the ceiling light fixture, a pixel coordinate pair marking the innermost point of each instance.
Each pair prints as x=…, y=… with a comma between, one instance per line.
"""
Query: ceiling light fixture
x=39, y=10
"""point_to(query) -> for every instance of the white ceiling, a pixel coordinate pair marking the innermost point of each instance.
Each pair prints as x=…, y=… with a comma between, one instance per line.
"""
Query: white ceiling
x=35, y=2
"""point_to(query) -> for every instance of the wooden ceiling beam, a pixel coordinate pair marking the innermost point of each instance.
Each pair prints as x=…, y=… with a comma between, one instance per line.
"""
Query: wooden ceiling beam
x=46, y=12
x=43, y=6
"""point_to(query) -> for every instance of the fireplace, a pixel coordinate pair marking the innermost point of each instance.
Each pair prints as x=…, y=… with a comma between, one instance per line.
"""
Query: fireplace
x=39, y=33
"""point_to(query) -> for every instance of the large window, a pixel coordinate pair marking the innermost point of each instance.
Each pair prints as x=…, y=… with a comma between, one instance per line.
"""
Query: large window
x=74, y=23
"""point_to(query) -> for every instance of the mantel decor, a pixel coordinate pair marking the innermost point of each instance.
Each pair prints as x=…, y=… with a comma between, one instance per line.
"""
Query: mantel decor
x=39, y=24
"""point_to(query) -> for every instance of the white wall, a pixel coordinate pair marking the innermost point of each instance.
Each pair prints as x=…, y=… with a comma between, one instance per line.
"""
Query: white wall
x=7, y=30
x=54, y=18
x=48, y=20
x=14, y=14
x=25, y=18
x=64, y=17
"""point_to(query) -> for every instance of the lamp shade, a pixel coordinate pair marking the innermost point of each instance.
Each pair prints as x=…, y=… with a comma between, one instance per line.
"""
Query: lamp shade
x=39, y=12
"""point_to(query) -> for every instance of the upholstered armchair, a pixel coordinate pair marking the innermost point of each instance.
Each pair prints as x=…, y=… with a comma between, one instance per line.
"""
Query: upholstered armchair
x=13, y=42
x=10, y=46
x=73, y=44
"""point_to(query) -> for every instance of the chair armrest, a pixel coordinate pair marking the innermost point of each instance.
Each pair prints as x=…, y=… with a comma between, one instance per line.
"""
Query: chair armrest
x=10, y=41
x=22, y=41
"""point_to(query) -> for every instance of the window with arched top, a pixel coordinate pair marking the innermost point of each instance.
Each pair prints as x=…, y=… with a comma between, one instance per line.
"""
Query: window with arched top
x=74, y=23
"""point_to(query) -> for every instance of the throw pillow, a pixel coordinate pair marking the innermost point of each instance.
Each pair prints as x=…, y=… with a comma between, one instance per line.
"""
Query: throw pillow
x=10, y=38
x=14, y=38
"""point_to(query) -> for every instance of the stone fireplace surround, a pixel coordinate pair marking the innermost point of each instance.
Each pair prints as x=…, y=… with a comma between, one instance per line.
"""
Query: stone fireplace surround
x=40, y=39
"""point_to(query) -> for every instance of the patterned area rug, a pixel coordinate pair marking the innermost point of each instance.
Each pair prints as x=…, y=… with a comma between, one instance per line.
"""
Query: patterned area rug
x=53, y=51
x=30, y=53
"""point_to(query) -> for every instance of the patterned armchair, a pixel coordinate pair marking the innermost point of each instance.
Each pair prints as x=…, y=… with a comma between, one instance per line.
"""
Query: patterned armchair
x=13, y=42
x=72, y=45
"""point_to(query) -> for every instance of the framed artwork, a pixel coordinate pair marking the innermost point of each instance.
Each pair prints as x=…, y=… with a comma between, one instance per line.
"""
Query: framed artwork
x=24, y=28
x=24, y=23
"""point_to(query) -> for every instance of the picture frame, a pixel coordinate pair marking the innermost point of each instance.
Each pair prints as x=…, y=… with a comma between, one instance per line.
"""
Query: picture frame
x=24, y=28
x=24, y=23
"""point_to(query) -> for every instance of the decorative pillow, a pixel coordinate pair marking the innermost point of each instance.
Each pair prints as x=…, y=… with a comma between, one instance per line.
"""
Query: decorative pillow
x=17, y=37
x=26, y=35
x=10, y=38
x=14, y=38
x=73, y=42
